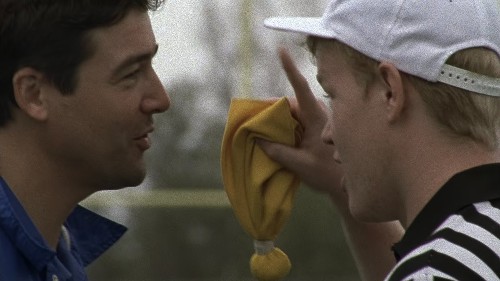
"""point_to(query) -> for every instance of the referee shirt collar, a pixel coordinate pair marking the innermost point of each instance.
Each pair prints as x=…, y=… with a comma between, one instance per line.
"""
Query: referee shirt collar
x=471, y=186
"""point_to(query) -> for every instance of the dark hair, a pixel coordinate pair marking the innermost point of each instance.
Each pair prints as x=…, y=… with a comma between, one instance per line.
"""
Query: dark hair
x=51, y=36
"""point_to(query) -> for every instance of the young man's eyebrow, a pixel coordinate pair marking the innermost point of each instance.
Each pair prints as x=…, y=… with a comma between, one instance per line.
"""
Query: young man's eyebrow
x=319, y=78
x=135, y=59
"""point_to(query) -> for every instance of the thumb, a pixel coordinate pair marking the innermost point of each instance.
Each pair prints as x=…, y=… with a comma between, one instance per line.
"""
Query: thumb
x=283, y=154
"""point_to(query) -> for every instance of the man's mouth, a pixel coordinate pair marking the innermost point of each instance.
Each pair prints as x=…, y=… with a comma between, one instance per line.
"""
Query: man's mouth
x=144, y=141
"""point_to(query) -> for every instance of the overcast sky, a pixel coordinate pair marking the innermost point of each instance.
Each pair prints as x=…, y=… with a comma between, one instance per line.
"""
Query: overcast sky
x=177, y=27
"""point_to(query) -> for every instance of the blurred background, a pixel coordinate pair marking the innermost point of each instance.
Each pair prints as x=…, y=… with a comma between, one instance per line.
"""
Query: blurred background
x=181, y=227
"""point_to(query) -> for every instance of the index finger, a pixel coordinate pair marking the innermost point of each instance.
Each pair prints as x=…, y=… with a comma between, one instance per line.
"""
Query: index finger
x=305, y=97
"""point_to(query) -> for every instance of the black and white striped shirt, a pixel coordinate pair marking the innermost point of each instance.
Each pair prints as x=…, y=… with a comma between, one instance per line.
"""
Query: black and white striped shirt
x=457, y=234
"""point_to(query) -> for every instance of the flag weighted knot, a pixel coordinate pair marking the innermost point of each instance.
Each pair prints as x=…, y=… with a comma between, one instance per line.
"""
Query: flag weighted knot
x=269, y=263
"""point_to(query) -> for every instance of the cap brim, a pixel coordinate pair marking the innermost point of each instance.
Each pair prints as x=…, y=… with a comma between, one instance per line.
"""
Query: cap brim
x=307, y=26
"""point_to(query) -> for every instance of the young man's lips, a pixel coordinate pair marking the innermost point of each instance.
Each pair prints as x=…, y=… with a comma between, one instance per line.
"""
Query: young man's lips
x=336, y=157
x=343, y=183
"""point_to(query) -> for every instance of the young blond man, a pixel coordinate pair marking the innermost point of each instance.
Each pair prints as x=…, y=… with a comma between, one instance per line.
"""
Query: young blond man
x=412, y=135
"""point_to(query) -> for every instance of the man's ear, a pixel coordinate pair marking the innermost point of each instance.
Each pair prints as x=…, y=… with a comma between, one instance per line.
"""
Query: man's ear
x=29, y=93
x=395, y=95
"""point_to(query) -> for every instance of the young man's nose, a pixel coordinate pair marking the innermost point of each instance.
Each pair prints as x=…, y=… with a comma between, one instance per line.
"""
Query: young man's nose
x=327, y=133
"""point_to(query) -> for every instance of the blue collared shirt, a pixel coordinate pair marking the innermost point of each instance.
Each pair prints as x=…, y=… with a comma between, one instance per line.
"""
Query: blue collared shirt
x=25, y=256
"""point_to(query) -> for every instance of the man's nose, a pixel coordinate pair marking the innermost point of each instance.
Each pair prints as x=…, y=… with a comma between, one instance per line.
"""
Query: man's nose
x=157, y=100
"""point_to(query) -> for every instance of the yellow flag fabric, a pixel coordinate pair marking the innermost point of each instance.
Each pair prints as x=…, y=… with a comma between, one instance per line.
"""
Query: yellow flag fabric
x=260, y=190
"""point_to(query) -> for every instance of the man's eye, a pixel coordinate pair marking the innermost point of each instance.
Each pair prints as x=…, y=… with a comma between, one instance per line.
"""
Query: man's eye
x=132, y=74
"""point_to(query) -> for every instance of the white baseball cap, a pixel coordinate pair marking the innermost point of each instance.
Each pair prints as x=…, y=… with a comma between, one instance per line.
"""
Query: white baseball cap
x=417, y=36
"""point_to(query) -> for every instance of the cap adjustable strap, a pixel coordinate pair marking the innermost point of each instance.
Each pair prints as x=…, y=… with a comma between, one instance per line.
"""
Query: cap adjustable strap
x=470, y=81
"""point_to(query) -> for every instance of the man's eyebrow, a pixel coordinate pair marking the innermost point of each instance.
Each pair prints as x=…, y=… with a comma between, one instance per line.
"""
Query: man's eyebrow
x=135, y=59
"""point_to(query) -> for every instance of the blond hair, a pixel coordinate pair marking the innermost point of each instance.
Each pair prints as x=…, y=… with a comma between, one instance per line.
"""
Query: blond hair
x=460, y=112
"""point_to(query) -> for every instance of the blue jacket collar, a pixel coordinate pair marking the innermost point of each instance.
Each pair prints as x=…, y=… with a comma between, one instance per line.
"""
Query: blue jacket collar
x=90, y=234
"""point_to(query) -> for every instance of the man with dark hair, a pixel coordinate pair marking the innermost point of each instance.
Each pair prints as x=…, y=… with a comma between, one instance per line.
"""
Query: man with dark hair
x=77, y=95
x=410, y=149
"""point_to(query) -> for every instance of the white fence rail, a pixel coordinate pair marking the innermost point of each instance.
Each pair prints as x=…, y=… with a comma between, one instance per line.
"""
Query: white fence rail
x=168, y=198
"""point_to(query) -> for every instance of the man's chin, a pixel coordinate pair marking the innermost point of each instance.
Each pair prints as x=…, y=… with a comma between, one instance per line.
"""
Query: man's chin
x=132, y=179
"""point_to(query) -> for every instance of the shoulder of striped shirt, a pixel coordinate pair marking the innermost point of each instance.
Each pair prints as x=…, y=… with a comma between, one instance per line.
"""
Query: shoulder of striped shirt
x=466, y=227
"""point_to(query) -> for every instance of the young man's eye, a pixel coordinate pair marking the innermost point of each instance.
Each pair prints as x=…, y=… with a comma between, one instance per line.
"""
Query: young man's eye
x=328, y=95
